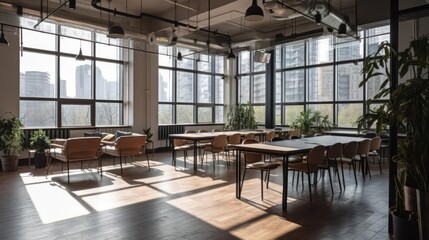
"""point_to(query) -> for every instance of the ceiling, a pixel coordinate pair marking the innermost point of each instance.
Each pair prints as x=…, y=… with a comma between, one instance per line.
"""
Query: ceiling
x=193, y=21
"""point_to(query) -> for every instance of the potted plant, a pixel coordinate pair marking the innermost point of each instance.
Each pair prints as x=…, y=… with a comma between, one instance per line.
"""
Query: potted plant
x=11, y=141
x=410, y=106
x=40, y=143
x=149, y=134
x=309, y=122
x=241, y=117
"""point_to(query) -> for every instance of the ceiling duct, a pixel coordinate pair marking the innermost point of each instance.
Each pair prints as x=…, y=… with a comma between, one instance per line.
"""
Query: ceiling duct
x=280, y=38
x=289, y=9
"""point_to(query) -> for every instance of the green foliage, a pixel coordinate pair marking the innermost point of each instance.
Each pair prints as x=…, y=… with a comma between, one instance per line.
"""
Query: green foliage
x=409, y=103
x=309, y=122
x=148, y=133
x=241, y=117
x=11, y=135
x=39, y=141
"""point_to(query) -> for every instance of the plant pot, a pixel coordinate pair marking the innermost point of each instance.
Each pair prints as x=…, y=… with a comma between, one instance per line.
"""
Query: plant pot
x=410, y=198
x=423, y=214
x=404, y=228
x=39, y=160
x=9, y=163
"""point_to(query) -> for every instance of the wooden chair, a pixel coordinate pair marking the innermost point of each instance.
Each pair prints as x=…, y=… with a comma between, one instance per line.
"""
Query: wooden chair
x=249, y=136
x=254, y=161
x=182, y=145
x=294, y=134
x=349, y=153
x=75, y=150
x=124, y=146
x=269, y=136
x=374, y=149
x=217, y=146
x=333, y=154
x=314, y=159
x=362, y=157
x=232, y=141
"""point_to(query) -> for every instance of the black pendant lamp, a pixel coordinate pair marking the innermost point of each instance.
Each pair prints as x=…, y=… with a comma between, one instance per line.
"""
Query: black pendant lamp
x=116, y=31
x=3, y=40
x=318, y=18
x=342, y=30
x=80, y=56
x=231, y=54
x=254, y=12
x=179, y=56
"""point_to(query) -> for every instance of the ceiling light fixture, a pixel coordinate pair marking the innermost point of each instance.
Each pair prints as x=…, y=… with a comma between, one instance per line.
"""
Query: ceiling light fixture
x=115, y=31
x=179, y=56
x=318, y=18
x=231, y=54
x=254, y=12
x=342, y=30
x=3, y=41
x=80, y=56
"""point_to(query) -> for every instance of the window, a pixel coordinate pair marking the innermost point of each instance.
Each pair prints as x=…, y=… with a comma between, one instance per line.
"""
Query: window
x=71, y=93
x=190, y=91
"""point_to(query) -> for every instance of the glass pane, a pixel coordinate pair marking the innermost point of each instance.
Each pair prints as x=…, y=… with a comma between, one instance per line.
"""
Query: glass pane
x=278, y=54
x=291, y=113
x=205, y=64
x=76, y=78
x=219, y=64
x=185, y=87
x=204, y=84
x=349, y=77
x=185, y=114
x=320, y=50
x=165, y=85
x=348, y=114
x=107, y=114
x=259, y=114
x=165, y=56
x=294, y=86
x=165, y=114
x=205, y=114
x=278, y=120
x=71, y=45
x=108, y=49
x=320, y=84
x=324, y=109
x=219, y=111
x=38, y=75
x=75, y=115
x=257, y=66
x=219, y=90
x=278, y=87
x=373, y=42
x=39, y=40
x=294, y=54
x=244, y=62
x=187, y=61
x=378, y=30
x=373, y=85
x=349, y=49
x=108, y=79
x=259, y=88
x=244, y=83
x=38, y=113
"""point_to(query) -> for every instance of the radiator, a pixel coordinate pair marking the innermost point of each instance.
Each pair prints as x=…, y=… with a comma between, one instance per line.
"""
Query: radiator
x=50, y=133
x=165, y=130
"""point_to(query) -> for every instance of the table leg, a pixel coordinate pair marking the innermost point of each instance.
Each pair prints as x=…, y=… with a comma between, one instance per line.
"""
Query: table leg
x=195, y=155
x=237, y=174
x=173, y=153
x=285, y=182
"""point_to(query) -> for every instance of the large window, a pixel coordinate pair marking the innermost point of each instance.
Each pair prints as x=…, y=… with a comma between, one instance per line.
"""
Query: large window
x=56, y=90
x=190, y=91
x=324, y=74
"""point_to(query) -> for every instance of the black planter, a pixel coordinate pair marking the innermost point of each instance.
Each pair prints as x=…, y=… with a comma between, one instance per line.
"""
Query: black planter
x=423, y=214
x=39, y=160
x=403, y=228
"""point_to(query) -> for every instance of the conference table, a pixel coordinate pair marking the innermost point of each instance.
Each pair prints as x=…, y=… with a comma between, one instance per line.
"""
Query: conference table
x=286, y=148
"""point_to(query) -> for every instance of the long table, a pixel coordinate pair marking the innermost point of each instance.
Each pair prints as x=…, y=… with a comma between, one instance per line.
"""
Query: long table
x=286, y=148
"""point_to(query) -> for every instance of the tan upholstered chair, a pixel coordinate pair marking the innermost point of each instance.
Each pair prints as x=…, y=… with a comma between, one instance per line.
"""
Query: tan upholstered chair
x=75, y=150
x=374, y=149
x=182, y=145
x=349, y=153
x=362, y=157
x=333, y=155
x=269, y=136
x=233, y=140
x=124, y=146
x=217, y=146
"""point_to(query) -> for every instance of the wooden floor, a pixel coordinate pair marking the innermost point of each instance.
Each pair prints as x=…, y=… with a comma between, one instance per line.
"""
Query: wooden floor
x=182, y=204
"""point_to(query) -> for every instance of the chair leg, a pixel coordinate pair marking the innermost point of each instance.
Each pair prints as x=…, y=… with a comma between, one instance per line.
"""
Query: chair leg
x=120, y=163
x=49, y=165
x=338, y=175
x=342, y=172
x=262, y=185
x=354, y=170
x=330, y=180
x=309, y=185
x=148, y=164
x=379, y=163
x=242, y=181
x=68, y=172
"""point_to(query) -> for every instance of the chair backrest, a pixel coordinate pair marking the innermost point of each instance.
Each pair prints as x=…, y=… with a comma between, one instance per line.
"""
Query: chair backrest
x=270, y=135
x=82, y=148
x=350, y=149
x=250, y=157
x=316, y=155
x=220, y=141
x=375, y=143
x=249, y=136
x=216, y=130
x=130, y=145
x=179, y=142
x=294, y=133
x=363, y=147
x=335, y=151
x=235, y=138
x=190, y=131
x=202, y=131
x=294, y=137
x=276, y=139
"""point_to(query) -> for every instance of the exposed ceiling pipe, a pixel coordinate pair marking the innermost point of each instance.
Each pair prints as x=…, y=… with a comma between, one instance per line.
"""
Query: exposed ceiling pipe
x=181, y=5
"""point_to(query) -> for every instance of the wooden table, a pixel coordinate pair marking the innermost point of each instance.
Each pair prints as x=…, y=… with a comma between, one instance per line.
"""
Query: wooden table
x=286, y=148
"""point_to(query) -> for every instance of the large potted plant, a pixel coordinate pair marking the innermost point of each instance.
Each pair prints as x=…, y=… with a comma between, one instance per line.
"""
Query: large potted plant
x=39, y=142
x=310, y=122
x=241, y=117
x=11, y=141
x=410, y=106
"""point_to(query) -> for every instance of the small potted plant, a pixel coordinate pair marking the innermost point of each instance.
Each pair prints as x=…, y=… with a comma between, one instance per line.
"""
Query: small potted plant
x=11, y=141
x=40, y=143
x=149, y=134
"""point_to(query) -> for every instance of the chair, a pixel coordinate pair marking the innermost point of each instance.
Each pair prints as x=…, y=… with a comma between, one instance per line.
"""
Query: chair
x=254, y=161
x=269, y=136
x=216, y=130
x=249, y=136
x=384, y=148
x=314, y=159
x=75, y=150
x=374, y=148
x=294, y=134
x=349, y=153
x=232, y=141
x=333, y=154
x=217, y=146
x=362, y=157
x=182, y=145
x=124, y=146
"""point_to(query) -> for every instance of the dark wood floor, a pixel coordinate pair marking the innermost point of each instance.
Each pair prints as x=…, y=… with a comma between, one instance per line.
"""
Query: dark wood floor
x=182, y=204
